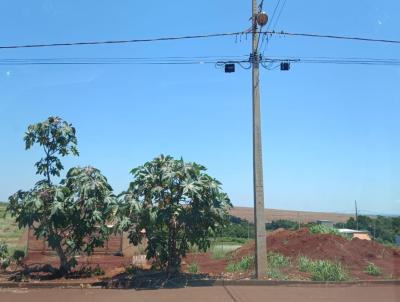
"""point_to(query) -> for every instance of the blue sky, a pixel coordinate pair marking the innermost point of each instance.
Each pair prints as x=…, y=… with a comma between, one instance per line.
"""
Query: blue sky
x=330, y=132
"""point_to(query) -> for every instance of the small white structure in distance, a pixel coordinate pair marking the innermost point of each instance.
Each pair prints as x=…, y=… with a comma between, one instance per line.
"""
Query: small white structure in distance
x=363, y=235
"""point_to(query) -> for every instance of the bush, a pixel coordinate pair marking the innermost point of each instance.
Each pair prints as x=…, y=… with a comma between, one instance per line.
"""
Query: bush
x=245, y=264
x=18, y=256
x=4, y=259
x=193, y=268
x=322, y=229
x=372, y=269
x=281, y=223
x=322, y=270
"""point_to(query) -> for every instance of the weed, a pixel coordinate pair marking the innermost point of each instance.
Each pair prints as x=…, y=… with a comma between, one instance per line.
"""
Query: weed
x=275, y=274
x=244, y=264
x=322, y=270
x=193, y=268
x=131, y=270
x=372, y=269
x=276, y=261
x=98, y=271
x=305, y=264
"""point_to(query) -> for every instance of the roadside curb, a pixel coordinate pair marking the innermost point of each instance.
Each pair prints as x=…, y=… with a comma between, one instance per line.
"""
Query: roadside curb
x=195, y=283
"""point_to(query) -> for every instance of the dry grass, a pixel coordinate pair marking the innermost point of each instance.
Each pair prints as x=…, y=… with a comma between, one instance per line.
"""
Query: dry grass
x=303, y=217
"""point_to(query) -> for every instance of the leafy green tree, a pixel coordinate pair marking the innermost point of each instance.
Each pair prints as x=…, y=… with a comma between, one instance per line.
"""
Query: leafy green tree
x=71, y=216
x=56, y=137
x=383, y=229
x=173, y=204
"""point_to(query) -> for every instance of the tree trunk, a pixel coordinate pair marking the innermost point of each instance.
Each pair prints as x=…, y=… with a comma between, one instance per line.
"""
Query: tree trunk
x=64, y=266
x=173, y=257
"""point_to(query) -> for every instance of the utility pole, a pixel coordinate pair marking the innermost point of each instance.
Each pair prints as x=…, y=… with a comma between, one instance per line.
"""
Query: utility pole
x=259, y=216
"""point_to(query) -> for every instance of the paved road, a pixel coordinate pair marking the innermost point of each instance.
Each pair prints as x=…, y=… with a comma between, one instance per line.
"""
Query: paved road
x=209, y=294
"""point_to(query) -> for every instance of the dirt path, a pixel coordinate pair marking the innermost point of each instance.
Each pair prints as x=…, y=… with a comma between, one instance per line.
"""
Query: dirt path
x=210, y=294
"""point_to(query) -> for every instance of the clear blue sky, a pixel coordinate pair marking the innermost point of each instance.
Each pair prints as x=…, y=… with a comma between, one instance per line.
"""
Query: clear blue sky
x=330, y=133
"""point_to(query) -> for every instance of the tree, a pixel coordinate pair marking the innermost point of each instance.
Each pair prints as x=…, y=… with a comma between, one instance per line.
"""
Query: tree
x=57, y=137
x=71, y=216
x=173, y=204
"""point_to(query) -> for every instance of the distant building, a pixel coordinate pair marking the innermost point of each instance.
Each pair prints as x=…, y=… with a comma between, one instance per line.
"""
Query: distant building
x=364, y=235
x=397, y=240
x=327, y=223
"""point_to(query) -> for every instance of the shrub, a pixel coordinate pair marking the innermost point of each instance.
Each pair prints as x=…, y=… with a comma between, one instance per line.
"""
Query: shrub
x=4, y=259
x=322, y=229
x=18, y=256
x=244, y=264
x=193, y=268
x=323, y=270
x=372, y=269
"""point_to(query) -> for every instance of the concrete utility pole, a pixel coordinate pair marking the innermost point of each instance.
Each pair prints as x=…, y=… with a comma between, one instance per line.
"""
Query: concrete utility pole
x=259, y=217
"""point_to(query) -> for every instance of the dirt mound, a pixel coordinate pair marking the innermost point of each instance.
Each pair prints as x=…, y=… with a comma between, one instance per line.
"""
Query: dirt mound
x=353, y=254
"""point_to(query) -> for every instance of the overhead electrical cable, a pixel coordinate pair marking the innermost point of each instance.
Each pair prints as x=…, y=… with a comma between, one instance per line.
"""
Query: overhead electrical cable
x=264, y=37
x=279, y=15
x=270, y=62
x=283, y=33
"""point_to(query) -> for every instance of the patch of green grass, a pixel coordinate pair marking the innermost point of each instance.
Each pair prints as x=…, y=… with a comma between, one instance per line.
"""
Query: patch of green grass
x=322, y=229
x=245, y=264
x=193, y=268
x=277, y=261
x=322, y=270
x=305, y=264
x=9, y=231
x=220, y=251
x=372, y=269
x=276, y=274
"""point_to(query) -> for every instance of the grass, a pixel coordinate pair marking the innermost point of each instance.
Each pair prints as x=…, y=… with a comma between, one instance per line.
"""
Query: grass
x=9, y=231
x=275, y=262
x=322, y=229
x=221, y=247
x=193, y=268
x=219, y=251
x=245, y=264
x=372, y=269
x=322, y=270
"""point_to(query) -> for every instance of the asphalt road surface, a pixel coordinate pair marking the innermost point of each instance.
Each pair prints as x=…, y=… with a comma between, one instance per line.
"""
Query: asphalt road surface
x=387, y=293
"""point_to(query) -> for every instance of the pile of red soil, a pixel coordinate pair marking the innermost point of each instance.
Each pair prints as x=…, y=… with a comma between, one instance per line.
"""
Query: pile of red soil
x=352, y=254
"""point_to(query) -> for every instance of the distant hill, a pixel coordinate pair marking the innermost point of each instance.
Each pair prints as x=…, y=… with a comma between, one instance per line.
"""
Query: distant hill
x=274, y=214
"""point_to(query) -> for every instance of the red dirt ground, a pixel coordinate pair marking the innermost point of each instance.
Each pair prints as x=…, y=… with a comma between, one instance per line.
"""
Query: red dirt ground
x=353, y=254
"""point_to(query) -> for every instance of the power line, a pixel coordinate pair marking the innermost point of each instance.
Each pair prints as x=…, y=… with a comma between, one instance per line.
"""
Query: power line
x=268, y=26
x=283, y=33
x=174, y=38
x=244, y=61
x=334, y=37
x=279, y=15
